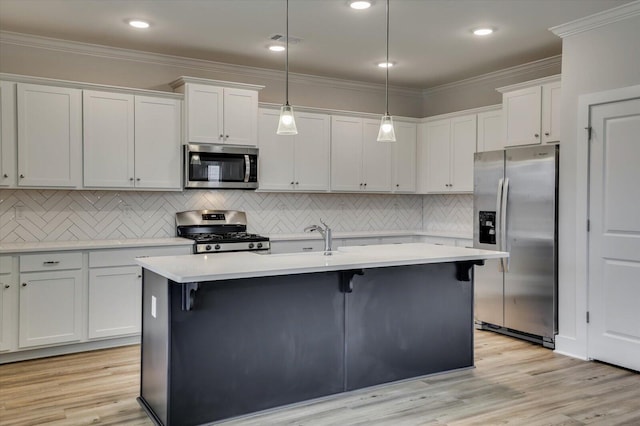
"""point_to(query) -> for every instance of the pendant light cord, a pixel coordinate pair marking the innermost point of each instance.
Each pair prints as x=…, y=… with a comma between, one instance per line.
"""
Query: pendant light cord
x=386, y=84
x=286, y=66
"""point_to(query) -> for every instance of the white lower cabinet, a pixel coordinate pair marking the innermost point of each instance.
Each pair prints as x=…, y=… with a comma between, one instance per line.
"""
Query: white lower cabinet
x=115, y=300
x=50, y=308
x=8, y=303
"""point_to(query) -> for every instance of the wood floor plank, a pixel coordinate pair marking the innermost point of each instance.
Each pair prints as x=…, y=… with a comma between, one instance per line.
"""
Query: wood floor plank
x=514, y=383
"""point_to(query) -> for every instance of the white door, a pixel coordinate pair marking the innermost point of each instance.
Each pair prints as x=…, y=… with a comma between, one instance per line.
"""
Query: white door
x=463, y=146
x=8, y=133
x=522, y=115
x=157, y=142
x=240, y=117
x=108, y=139
x=346, y=153
x=376, y=159
x=614, y=239
x=49, y=136
x=204, y=113
x=312, y=151
x=275, y=162
x=404, y=158
x=438, y=134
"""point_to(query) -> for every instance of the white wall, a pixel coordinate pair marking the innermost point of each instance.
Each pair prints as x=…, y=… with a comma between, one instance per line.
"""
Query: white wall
x=602, y=58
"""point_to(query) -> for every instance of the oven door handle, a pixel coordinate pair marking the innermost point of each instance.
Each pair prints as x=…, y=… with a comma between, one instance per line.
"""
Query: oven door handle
x=247, y=168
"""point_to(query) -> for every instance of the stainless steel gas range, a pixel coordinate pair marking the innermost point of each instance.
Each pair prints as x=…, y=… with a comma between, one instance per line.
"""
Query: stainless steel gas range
x=217, y=231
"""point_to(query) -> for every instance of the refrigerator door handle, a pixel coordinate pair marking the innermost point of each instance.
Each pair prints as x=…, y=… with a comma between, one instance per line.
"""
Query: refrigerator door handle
x=503, y=222
x=499, y=220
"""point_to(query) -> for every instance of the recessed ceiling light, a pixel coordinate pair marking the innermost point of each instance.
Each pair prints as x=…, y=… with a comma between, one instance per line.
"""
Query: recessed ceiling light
x=137, y=23
x=276, y=48
x=359, y=5
x=483, y=31
x=385, y=64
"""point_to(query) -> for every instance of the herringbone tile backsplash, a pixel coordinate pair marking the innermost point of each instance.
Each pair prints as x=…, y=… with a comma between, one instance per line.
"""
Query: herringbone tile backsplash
x=51, y=215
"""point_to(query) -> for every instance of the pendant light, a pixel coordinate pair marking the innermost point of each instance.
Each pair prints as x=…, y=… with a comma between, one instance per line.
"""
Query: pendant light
x=386, y=133
x=287, y=123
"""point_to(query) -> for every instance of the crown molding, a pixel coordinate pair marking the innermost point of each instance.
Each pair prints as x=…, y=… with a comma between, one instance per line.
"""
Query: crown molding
x=479, y=110
x=530, y=83
x=80, y=48
x=519, y=70
x=597, y=20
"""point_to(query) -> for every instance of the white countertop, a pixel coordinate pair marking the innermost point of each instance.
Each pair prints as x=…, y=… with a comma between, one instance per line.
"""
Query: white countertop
x=370, y=234
x=222, y=266
x=31, y=247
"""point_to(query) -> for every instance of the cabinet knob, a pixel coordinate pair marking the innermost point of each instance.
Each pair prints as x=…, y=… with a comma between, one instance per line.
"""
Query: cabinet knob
x=24, y=284
x=226, y=136
x=365, y=184
x=397, y=185
x=139, y=276
x=5, y=175
x=291, y=182
x=131, y=179
x=138, y=179
x=7, y=286
x=21, y=176
x=360, y=184
x=536, y=135
x=297, y=183
x=546, y=133
x=221, y=137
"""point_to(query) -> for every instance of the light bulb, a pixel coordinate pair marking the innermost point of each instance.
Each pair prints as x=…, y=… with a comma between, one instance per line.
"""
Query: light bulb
x=386, y=133
x=287, y=122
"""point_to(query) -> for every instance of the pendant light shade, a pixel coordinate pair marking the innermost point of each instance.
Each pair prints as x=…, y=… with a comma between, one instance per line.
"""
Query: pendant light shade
x=386, y=132
x=287, y=123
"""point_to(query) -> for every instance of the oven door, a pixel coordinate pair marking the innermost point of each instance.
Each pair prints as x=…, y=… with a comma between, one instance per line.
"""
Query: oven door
x=220, y=166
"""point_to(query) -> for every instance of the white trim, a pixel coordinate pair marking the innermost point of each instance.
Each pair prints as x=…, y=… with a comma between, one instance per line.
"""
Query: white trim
x=585, y=102
x=601, y=19
x=478, y=110
x=18, y=78
x=328, y=111
x=530, y=83
x=183, y=80
x=193, y=64
x=511, y=72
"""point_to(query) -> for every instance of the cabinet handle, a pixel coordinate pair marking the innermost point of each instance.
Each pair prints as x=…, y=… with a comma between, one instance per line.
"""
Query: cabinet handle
x=297, y=183
x=21, y=176
x=138, y=179
x=139, y=276
x=51, y=262
x=307, y=248
x=536, y=135
x=365, y=184
x=6, y=175
x=131, y=179
x=397, y=185
x=546, y=133
x=221, y=137
x=24, y=284
x=291, y=182
x=7, y=286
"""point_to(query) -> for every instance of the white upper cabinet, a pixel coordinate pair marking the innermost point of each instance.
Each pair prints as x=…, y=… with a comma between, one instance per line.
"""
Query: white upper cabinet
x=404, y=157
x=49, y=136
x=8, y=134
x=531, y=112
x=358, y=161
x=215, y=113
x=446, y=155
x=157, y=143
x=490, y=132
x=131, y=141
x=296, y=162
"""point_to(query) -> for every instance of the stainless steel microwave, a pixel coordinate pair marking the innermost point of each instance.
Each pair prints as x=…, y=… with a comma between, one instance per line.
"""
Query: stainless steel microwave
x=220, y=166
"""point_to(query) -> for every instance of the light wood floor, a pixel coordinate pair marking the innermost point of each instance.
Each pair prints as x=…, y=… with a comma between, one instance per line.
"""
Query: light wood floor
x=514, y=383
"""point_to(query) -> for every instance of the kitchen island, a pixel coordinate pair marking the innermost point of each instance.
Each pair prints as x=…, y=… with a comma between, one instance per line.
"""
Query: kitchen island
x=233, y=333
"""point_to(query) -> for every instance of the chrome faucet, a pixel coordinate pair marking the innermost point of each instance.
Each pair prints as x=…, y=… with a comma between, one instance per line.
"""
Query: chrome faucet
x=326, y=234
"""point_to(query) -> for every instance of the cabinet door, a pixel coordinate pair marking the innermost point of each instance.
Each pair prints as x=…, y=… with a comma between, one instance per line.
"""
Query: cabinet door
x=204, y=113
x=376, y=159
x=240, y=117
x=275, y=167
x=490, y=131
x=49, y=136
x=157, y=143
x=437, y=135
x=108, y=139
x=463, y=146
x=312, y=151
x=551, y=112
x=50, y=308
x=8, y=134
x=8, y=304
x=346, y=153
x=115, y=300
x=521, y=112
x=404, y=158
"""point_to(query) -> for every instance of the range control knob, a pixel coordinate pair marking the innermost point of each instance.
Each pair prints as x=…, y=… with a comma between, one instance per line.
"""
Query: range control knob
x=251, y=245
x=217, y=247
x=259, y=245
x=207, y=247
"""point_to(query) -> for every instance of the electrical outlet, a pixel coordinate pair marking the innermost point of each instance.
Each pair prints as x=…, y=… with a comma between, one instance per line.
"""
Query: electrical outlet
x=126, y=209
x=19, y=211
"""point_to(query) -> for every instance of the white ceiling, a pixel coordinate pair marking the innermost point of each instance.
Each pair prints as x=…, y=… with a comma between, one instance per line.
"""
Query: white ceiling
x=430, y=40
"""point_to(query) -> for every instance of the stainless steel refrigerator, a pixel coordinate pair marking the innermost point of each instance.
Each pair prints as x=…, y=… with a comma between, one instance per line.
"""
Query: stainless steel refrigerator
x=516, y=210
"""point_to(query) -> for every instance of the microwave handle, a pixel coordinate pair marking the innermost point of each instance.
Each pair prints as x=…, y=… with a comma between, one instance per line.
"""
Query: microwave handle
x=247, y=168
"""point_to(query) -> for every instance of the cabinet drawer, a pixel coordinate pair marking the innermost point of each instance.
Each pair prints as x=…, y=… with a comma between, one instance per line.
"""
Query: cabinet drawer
x=5, y=265
x=50, y=261
x=127, y=257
